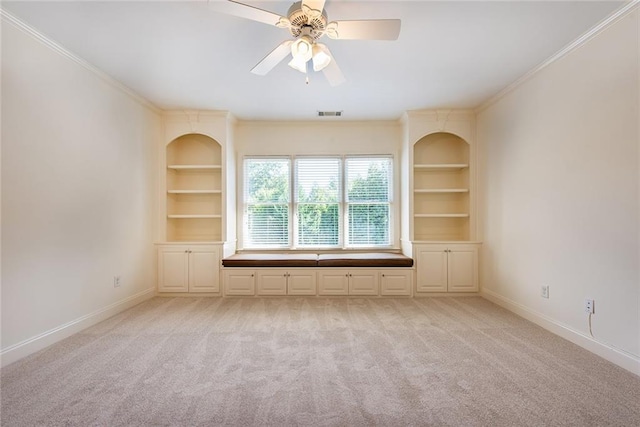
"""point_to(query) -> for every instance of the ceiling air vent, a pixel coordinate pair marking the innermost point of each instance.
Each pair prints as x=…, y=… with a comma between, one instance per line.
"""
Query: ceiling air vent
x=329, y=113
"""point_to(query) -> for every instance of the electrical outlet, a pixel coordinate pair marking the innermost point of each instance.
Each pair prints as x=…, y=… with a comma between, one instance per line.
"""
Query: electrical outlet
x=544, y=291
x=116, y=281
x=589, y=306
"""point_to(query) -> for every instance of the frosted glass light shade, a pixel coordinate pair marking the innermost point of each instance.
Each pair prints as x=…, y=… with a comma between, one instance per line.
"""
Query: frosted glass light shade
x=302, y=48
x=321, y=57
x=298, y=63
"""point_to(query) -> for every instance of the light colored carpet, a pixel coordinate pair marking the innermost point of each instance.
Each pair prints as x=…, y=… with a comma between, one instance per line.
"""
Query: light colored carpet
x=317, y=361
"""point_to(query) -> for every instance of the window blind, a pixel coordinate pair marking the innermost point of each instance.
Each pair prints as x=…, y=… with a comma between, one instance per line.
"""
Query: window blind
x=267, y=198
x=368, y=201
x=317, y=201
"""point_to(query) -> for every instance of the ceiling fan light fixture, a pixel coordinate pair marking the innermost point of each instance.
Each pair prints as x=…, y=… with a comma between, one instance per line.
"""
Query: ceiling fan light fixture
x=302, y=49
x=321, y=57
x=299, y=64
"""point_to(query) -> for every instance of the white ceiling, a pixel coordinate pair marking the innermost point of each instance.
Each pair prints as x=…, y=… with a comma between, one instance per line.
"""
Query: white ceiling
x=183, y=55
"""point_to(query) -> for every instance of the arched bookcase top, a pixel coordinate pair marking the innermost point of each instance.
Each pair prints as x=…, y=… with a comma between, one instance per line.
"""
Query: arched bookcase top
x=194, y=149
x=441, y=148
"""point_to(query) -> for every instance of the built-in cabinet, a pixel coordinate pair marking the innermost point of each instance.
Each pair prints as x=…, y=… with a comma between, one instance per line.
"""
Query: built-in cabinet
x=439, y=154
x=269, y=281
x=286, y=282
x=239, y=282
x=196, y=162
x=348, y=282
x=184, y=268
x=446, y=267
x=396, y=282
x=311, y=281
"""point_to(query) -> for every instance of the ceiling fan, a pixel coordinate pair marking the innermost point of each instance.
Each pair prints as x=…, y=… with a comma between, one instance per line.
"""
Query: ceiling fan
x=307, y=22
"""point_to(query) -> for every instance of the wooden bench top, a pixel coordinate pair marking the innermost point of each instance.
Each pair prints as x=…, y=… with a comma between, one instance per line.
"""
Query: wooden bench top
x=271, y=260
x=369, y=259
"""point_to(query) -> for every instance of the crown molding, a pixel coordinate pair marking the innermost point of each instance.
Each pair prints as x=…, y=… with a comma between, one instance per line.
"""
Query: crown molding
x=196, y=116
x=580, y=41
x=303, y=123
x=8, y=18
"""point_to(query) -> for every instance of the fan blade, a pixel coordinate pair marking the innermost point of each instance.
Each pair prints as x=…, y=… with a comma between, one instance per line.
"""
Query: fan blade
x=376, y=29
x=246, y=11
x=314, y=5
x=273, y=58
x=333, y=73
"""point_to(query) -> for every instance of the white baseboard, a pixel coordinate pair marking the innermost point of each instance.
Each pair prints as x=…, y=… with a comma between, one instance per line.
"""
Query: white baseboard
x=29, y=346
x=625, y=360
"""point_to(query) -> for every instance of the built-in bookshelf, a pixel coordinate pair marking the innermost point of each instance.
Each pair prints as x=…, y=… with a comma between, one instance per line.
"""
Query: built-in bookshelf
x=194, y=189
x=441, y=199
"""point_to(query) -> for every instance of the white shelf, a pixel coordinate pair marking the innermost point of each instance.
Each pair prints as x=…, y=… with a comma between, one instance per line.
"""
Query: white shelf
x=441, y=166
x=443, y=215
x=194, y=191
x=194, y=167
x=193, y=216
x=442, y=190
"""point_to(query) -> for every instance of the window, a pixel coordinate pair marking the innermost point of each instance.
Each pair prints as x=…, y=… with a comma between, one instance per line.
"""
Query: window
x=267, y=191
x=368, y=201
x=317, y=202
x=333, y=202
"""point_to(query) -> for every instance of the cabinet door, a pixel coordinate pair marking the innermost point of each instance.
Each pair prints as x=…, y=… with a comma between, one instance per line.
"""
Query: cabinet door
x=363, y=282
x=271, y=282
x=173, y=269
x=396, y=282
x=238, y=281
x=204, y=269
x=463, y=269
x=333, y=282
x=301, y=282
x=432, y=269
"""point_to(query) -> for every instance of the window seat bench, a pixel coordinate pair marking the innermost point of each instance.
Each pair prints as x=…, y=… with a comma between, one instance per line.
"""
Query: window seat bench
x=367, y=260
x=373, y=273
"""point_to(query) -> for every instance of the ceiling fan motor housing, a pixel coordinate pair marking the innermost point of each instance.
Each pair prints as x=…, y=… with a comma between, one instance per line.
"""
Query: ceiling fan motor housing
x=299, y=20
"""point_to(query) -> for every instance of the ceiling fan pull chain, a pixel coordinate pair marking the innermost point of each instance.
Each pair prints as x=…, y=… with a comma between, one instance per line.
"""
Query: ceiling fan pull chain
x=306, y=80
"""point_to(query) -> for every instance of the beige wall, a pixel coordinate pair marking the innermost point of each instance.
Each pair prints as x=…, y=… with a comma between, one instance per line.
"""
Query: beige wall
x=77, y=195
x=331, y=137
x=560, y=175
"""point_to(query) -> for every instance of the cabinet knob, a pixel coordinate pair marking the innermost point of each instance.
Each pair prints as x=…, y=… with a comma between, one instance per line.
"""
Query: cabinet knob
x=383, y=275
x=252, y=275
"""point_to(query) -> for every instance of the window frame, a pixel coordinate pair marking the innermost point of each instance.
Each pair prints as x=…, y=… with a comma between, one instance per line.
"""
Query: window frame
x=245, y=204
x=343, y=204
x=390, y=200
x=294, y=242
